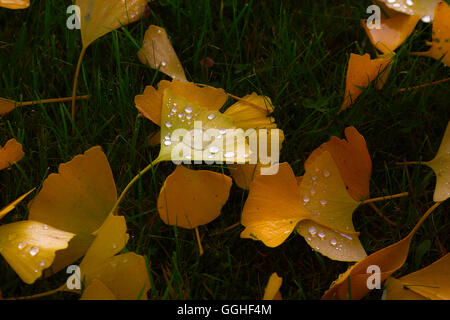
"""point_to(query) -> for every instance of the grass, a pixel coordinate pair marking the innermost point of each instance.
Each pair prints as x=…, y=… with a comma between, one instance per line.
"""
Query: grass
x=295, y=52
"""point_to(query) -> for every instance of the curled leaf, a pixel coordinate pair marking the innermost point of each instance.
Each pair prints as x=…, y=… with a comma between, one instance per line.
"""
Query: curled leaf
x=10, y=153
x=30, y=246
x=272, y=291
x=389, y=260
x=441, y=167
x=158, y=52
x=393, y=31
x=99, y=17
x=431, y=282
x=77, y=199
x=191, y=198
x=440, y=44
x=15, y=4
x=361, y=71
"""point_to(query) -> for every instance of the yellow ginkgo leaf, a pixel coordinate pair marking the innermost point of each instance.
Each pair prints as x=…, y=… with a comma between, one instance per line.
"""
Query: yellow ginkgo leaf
x=10, y=153
x=423, y=8
x=6, y=105
x=77, y=199
x=388, y=260
x=441, y=167
x=97, y=291
x=440, y=44
x=272, y=291
x=252, y=115
x=361, y=71
x=150, y=102
x=273, y=208
x=157, y=51
x=191, y=198
x=431, y=282
x=325, y=196
x=124, y=275
x=13, y=204
x=191, y=132
x=243, y=174
x=393, y=31
x=15, y=4
x=99, y=17
x=352, y=159
x=30, y=246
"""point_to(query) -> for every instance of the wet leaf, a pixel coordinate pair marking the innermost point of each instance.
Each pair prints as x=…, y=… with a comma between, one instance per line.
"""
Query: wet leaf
x=361, y=71
x=423, y=8
x=99, y=17
x=353, y=161
x=158, y=52
x=30, y=246
x=389, y=260
x=10, y=153
x=272, y=291
x=431, y=282
x=440, y=44
x=441, y=167
x=77, y=199
x=191, y=198
x=15, y=4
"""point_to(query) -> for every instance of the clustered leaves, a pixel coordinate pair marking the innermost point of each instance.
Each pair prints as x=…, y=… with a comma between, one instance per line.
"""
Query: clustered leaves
x=76, y=213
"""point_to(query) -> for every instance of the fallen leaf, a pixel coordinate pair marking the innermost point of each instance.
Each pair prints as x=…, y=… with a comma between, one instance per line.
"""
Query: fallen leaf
x=440, y=44
x=272, y=291
x=29, y=247
x=158, y=52
x=150, y=102
x=441, y=167
x=99, y=17
x=191, y=132
x=77, y=199
x=431, y=282
x=361, y=71
x=393, y=31
x=389, y=260
x=423, y=8
x=15, y=4
x=352, y=159
x=6, y=106
x=191, y=198
x=97, y=291
x=10, y=153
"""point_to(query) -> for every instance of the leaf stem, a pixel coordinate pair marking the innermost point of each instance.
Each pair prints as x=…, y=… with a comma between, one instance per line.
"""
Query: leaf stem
x=399, y=195
x=75, y=81
x=29, y=103
x=43, y=294
x=426, y=214
x=130, y=184
x=408, y=162
x=374, y=207
x=199, y=241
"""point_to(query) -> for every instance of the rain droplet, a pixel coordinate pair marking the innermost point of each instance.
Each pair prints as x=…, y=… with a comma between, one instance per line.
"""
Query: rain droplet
x=21, y=245
x=223, y=131
x=312, y=191
x=33, y=251
x=114, y=246
x=214, y=149
x=45, y=227
x=167, y=142
x=168, y=124
x=346, y=236
x=163, y=63
x=188, y=109
x=314, y=177
x=426, y=19
x=229, y=154
x=42, y=264
x=321, y=234
x=323, y=202
x=189, y=116
x=305, y=198
x=326, y=173
x=333, y=242
x=312, y=230
x=211, y=116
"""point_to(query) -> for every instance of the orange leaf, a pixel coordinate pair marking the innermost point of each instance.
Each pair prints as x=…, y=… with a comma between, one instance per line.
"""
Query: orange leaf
x=393, y=31
x=6, y=106
x=97, y=291
x=431, y=282
x=191, y=198
x=158, y=52
x=389, y=260
x=423, y=8
x=352, y=159
x=361, y=71
x=15, y=4
x=11, y=153
x=441, y=167
x=77, y=199
x=99, y=17
x=272, y=291
x=440, y=44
